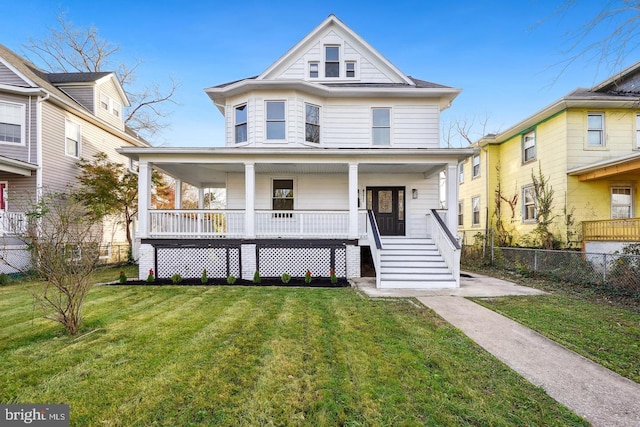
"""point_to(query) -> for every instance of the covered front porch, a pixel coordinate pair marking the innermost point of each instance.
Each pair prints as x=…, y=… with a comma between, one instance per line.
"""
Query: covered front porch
x=296, y=202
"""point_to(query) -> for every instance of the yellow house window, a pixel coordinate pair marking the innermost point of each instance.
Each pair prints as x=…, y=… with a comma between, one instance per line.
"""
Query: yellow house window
x=595, y=129
x=475, y=210
x=528, y=204
x=475, y=171
x=528, y=146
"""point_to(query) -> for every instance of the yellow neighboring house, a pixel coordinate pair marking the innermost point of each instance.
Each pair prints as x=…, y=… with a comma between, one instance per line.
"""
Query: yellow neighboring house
x=587, y=145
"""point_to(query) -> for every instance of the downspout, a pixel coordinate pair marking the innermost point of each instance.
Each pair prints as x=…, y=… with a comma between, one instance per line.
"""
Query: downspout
x=41, y=99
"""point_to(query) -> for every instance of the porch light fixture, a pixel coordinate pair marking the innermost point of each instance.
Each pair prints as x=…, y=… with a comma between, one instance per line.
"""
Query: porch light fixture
x=414, y=193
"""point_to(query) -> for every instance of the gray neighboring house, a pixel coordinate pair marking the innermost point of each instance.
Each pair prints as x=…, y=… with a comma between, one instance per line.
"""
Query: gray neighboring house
x=48, y=121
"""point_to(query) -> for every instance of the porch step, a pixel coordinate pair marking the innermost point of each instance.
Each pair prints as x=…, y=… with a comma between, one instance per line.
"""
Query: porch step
x=413, y=263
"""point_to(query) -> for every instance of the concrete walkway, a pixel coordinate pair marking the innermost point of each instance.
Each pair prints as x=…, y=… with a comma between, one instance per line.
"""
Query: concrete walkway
x=597, y=394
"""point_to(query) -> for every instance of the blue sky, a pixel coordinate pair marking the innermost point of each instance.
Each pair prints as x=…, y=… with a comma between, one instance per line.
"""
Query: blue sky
x=502, y=54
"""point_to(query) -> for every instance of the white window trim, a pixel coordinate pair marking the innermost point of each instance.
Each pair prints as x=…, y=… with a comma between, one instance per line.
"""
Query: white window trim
x=534, y=146
x=473, y=175
x=295, y=190
x=266, y=120
x=621, y=187
x=636, y=146
x=314, y=144
x=79, y=141
x=473, y=223
x=317, y=64
x=603, y=135
x=460, y=213
x=341, y=70
x=390, y=127
x=524, y=205
x=113, y=107
x=460, y=173
x=106, y=99
x=235, y=124
x=23, y=126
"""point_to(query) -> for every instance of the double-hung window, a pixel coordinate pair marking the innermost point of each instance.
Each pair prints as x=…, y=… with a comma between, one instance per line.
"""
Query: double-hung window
x=529, y=146
x=621, y=203
x=381, y=126
x=475, y=210
x=460, y=213
x=241, y=123
x=350, y=68
x=461, y=173
x=637, y=131
x=275, y=120
x=475, y=167
x=528, y=204
x=595, y=130
x=11, y=123
x=312, y=123
x=332, y=61
x=313, y=70
x=72, y=139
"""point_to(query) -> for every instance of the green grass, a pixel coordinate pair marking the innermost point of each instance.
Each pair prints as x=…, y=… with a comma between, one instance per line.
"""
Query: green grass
x=229, y=356
x=607, y=334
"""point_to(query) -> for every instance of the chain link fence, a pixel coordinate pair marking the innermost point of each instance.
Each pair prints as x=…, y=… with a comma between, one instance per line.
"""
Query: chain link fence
x=620, y=272
x=17, y=259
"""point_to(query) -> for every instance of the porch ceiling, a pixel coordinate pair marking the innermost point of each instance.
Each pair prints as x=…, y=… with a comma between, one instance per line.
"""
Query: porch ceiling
x=215, y=174
x=627, y=166
x=16, y=166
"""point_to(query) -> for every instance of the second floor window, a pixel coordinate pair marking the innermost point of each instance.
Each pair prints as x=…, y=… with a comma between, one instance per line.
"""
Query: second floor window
x=312, y=123
x=332, y=61
x=528, y=204
x=595, y=129
x=461, y=173
x=381, y=126
x=11, y=123
x=528, y=146
x=475, y=171
x=72, y=139
x=241, y=124
x=275, y=120
x=638, y=131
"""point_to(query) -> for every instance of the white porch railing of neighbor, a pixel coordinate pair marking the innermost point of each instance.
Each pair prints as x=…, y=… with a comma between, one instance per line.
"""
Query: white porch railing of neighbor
x=196, y=223
x=12, y=222
x=447, y=244
x=217, y=223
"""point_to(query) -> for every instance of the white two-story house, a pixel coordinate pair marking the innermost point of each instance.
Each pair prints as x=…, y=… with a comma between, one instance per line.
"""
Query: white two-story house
x=331, y=153
x=49, y=121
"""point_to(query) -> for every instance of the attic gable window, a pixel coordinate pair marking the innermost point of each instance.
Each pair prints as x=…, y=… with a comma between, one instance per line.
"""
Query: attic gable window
x=104, y=101
x=275, y=120
x=108, y=104
x=12, y=123
x=313, y=70
x=241, y=124
x=332, y=61
x=350, y=68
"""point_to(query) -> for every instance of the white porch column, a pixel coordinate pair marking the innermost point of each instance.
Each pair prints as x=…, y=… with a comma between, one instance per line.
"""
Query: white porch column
x=177, y=201
x=452, y=197
x=249, y=200
x=353, y=201
x=200, y=198
x=144, y=198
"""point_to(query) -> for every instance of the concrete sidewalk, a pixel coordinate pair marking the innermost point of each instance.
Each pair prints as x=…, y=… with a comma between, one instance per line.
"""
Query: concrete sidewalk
x=597, y=394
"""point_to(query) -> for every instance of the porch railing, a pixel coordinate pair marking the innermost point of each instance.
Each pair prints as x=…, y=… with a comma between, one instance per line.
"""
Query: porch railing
x=626, y=230
x=447, y=244
x=375, y=245
x=12, y=222
x=217, y=223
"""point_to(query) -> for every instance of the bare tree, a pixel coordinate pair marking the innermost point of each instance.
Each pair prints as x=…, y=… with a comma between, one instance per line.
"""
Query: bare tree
x=71, y=49
x=607, y=39
x=64, y=243
x=464, y=131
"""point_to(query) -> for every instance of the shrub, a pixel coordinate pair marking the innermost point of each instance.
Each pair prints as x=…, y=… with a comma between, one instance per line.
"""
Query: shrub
x=176, y=279
x=204, y=279
x=4, y=279
x=122, y=278
x=151, y=278
x=285, y=278
x=231, y=279
x=256, y=277
x=307, y=277
x=333, y=277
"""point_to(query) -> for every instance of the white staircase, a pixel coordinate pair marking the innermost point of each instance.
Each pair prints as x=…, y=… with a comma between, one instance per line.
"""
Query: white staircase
x=413, y=263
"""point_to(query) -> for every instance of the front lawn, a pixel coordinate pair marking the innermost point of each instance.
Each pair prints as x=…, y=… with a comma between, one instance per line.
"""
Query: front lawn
x=180, y=356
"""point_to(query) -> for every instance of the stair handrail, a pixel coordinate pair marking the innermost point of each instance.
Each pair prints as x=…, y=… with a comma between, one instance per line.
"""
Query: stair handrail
x=447, y=244
x=375, y=244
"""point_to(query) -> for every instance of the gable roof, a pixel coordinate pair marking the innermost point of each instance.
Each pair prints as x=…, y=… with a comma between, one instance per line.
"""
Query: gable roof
x=332, y=22
x=39, y=82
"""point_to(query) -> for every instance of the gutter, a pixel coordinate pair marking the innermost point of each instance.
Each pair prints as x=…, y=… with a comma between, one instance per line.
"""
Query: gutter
x=39, y=102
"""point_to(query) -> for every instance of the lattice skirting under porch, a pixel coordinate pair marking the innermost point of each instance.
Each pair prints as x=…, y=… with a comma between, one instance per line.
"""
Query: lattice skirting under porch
x=242, y=259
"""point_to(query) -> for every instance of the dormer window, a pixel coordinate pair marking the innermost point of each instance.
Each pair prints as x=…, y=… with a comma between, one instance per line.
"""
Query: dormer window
x=104, y=102
x=313, y=70
x=332, y=61
x=108, y=104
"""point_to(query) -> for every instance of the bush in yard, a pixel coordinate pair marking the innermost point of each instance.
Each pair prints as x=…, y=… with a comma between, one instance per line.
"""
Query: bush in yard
x=64, y=244
x=256, y=277
x=231, y=279
x=204, y=279
x=151, y=277
x=286, y=277
x=176, y=279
